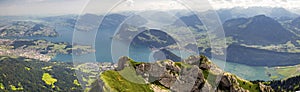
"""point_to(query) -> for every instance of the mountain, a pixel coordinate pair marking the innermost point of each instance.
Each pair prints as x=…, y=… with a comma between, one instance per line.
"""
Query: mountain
x=257, y=30
x=65, y=20
x=136, y=20
x=112, y=21
x=157, y=19
x=153, y=38
x=296, y=23
x=142, y=36
x=87, y=21
x=190, y=21
x=163, y=54
x=92, y=22
x=196, y=74
x=239, y=12
x=26, y=29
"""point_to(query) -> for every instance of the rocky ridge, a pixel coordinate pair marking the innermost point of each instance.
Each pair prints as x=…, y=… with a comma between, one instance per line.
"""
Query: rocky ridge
x=195, y=74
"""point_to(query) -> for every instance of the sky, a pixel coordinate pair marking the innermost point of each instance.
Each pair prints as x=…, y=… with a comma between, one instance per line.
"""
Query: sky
x=289, y=4
x=60, y=7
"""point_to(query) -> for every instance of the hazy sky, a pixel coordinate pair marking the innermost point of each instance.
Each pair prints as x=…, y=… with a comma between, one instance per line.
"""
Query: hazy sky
x=248, y=3
x=58, y=7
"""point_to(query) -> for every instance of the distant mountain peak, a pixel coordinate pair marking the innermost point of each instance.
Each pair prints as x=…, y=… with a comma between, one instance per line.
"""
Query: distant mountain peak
x=259, y=29
x=239, y=12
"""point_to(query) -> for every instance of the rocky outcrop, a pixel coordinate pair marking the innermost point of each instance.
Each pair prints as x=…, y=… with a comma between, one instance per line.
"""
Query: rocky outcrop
x=166, y=72
x=122, y=63
x=265, y=88
x=232, y=83
x=195, y=74
x=206, y=88
x=229, y=83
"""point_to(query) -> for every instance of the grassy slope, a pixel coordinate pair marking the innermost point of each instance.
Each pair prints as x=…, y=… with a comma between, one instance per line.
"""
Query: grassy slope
x=115, y=82
x=248, y=85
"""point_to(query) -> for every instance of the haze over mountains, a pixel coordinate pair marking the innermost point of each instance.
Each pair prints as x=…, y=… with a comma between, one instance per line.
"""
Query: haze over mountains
x=238, y=12
x=251, y=26
x=257, y=37
x=257, y=30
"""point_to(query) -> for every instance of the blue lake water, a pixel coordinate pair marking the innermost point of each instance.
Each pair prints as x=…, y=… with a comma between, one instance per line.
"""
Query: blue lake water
x=103, y=54
x=244, y=71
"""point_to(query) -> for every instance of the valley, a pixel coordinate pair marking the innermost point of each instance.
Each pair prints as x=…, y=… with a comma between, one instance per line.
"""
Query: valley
x=262, y=52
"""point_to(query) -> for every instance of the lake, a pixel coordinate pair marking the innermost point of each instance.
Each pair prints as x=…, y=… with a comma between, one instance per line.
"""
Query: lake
x=103, y=54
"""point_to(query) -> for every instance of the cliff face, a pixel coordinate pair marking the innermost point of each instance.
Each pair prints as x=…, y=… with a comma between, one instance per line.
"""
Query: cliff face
x=195, y=74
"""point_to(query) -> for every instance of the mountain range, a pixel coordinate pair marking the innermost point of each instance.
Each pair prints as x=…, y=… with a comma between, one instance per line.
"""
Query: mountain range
x=256, y=36
x=257, y=30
